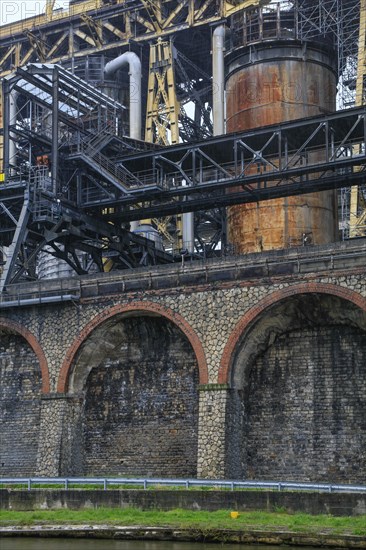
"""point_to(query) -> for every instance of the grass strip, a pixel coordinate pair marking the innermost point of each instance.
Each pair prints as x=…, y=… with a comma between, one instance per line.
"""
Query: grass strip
x=280, y=521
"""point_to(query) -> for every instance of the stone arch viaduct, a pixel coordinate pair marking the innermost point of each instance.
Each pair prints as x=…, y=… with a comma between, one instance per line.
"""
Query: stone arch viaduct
x=251, y=367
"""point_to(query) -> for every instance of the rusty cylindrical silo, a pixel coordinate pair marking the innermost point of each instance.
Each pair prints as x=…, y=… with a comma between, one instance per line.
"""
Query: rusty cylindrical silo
x=268, y=83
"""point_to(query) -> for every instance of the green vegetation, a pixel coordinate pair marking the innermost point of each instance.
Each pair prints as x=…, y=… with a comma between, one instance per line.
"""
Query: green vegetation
x=277, y=521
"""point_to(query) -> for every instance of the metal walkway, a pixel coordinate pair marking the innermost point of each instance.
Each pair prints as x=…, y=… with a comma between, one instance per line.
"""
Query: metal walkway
x=88, y=181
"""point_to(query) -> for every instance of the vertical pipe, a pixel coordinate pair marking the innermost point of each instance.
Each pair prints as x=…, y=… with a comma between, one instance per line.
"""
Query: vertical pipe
x=31, y=127
x=6, y=123
x=54, y=151
x=134, y=64
x=188, y=232
x=218, y=82
x=12, y=121
x=188, y=229
x=135, y=99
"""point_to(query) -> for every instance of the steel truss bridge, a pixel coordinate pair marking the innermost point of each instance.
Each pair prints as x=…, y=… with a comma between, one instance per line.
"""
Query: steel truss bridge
x=77, y=182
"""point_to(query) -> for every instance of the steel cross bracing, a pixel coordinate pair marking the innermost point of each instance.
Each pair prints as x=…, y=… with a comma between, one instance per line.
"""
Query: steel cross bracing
x=357, y=195
x=293, y=158
x=79, y=187
x=335, y=22
x=162, y=105
x=106, y=28
x=100, y=30
x=93, y=25
x=54, y=110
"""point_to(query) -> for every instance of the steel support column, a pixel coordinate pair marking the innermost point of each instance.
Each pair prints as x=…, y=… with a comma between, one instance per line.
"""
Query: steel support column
x=162, y=105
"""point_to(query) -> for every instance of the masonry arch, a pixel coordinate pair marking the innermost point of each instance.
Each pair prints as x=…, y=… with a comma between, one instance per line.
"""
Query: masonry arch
x=24, y=378
x=132, y=380
x=297, y=370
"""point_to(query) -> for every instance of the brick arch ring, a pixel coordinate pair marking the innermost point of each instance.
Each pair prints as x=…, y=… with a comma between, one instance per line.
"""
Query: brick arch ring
x=34, y=344
x=250, y=317
x=136, y=307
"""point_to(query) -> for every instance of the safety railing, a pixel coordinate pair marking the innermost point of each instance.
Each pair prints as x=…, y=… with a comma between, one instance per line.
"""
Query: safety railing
x=117, y=172
x=34, y=298
x=145, y=483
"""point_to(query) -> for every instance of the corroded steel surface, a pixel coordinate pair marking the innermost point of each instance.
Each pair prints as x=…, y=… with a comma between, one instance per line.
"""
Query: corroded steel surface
x=268, y=84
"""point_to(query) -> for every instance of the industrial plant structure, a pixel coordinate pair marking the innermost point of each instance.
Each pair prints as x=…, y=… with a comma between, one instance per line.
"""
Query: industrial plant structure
x=182, y=194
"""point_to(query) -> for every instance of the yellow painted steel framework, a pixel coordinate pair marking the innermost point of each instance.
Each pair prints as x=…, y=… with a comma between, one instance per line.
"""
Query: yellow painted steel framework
x=162, y=105
x=92, y=26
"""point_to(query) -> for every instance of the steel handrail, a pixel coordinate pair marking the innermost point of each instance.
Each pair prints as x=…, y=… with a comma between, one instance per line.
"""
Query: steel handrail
x=186, y=483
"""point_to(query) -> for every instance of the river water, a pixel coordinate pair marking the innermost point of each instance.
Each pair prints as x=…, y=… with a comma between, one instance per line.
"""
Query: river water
x=25, y=543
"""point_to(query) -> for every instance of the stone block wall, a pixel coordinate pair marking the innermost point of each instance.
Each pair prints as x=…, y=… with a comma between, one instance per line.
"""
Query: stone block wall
x=140, y=408
x=169, y=366
x=305, y=407
x=20, y=405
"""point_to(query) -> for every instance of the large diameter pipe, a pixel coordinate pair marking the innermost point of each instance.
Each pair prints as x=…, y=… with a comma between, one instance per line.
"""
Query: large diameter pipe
x=285, y=82
x=188, y=232
x=134, y=63
x=13, y=95
x=218, y=80
x=188, y=229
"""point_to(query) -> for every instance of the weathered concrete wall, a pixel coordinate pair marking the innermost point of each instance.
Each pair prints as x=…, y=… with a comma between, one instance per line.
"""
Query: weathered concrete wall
x=350, y=504
x=219, y=323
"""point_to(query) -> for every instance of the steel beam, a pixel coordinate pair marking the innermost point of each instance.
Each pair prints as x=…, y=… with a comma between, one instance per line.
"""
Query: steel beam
x=95, y=208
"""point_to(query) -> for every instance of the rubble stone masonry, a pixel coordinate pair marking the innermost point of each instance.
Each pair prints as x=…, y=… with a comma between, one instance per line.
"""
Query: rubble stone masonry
x=250, y=367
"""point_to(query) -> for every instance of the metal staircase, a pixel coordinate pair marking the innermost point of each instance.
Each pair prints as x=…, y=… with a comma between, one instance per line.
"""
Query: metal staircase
x=89, y=153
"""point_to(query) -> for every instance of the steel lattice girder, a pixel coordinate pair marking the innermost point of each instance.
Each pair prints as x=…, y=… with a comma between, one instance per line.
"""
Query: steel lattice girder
x=113, y=26
x=108, y=27
x=292, y=158
x=302, y=155
x=298, y=157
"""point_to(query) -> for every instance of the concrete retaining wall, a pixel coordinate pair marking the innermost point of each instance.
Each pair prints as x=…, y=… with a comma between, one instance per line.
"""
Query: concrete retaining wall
x=336, y=504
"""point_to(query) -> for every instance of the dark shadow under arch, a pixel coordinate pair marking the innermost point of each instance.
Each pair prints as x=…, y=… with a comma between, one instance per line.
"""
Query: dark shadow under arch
x=136, y=308
x=133, y=397
x=298, y=397
x=16, y=328
x=264, y=306
x=24, y=378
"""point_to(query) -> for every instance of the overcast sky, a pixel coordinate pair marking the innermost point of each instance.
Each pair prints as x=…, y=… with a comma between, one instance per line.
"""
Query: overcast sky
x=15, y=10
